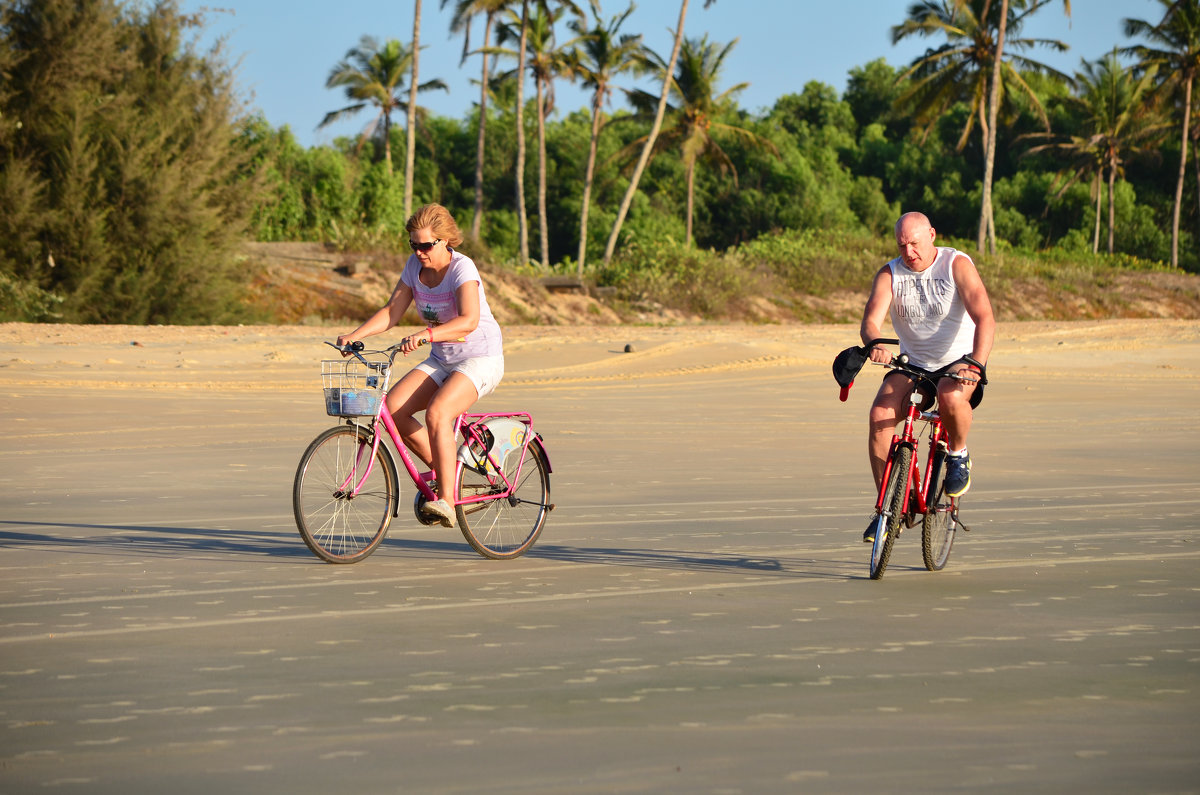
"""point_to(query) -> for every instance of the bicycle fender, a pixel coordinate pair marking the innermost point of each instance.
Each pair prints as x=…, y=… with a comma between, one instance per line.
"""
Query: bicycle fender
x=540, y=446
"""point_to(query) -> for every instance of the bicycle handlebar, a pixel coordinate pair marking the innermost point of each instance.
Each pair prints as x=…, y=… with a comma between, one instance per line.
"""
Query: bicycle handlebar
x=356, y=348
x=900, y=364
x=851, y=360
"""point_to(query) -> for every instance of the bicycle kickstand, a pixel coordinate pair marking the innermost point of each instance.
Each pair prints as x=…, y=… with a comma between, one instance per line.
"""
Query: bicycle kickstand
x=957, y=521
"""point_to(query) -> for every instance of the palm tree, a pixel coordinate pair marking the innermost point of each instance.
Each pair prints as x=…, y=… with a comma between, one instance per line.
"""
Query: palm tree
x=1175, y=48
x=546, y=60
x=959, y=70
x=644, y=158
x=986, y=220
x=464, y=12
x=604, y=54
x=522, y=219
x=374, y=75
x=412, y=112
x=1118, y=123
x=692, y=122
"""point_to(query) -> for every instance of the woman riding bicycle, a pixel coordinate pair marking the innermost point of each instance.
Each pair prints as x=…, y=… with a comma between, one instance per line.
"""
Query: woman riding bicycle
x=466, y=361
x=940, y=310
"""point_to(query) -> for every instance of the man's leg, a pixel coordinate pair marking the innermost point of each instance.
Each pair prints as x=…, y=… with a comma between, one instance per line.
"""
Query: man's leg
x=885, y=412
x=893, y=394
x=954, y=407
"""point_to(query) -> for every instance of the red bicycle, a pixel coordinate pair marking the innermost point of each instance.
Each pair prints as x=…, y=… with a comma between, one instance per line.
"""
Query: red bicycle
x=905, y=495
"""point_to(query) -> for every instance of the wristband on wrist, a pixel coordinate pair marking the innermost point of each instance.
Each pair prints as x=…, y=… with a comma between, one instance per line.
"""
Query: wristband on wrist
x=429, y=331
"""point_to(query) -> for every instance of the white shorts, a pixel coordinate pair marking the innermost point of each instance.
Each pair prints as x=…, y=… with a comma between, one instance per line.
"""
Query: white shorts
x=484, y=372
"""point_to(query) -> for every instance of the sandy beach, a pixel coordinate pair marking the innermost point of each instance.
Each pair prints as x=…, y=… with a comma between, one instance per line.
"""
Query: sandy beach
x=696, y=616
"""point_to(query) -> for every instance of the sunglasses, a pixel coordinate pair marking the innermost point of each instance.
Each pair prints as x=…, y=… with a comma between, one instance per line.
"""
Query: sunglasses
x=423, y=247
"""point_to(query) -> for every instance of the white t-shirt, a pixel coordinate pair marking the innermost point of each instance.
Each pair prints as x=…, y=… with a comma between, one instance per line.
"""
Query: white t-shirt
x=437, y=305
x=928, y=313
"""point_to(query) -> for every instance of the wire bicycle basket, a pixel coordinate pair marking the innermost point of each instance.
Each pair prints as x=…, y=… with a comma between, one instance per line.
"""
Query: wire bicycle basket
x=352, y=388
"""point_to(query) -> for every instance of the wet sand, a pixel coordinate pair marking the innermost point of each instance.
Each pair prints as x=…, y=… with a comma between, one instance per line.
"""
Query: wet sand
x=696, y=616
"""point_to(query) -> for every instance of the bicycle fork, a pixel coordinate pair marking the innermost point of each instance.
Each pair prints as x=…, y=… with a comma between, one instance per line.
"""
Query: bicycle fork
x=880, y=507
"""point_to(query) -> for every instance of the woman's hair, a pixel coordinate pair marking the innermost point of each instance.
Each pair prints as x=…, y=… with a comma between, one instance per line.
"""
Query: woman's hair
x=440, y=222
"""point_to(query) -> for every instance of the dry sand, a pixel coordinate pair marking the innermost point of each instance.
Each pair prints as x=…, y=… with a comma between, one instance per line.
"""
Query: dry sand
x=695, y=617
x=274, y=357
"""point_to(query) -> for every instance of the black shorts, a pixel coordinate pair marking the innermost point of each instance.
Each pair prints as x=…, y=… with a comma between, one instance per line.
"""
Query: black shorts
x=927, y=385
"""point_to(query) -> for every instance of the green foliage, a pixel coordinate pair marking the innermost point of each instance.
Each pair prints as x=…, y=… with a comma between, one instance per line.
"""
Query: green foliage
x=818, y=260
x=128, y=177
x=24, y=302
x=666, y=271
x=122, y=192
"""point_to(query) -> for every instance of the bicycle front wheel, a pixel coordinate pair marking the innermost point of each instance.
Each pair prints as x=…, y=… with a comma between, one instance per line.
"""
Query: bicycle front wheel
x=893, y=511
x=337, y=525
x=507, y=524
x=939, y=527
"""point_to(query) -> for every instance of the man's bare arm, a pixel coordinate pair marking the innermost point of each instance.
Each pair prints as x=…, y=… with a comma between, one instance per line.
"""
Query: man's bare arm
x=876, y=313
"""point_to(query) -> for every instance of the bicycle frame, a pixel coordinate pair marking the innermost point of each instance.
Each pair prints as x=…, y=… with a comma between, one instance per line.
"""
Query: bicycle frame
x=937, y=440
x=467, y=425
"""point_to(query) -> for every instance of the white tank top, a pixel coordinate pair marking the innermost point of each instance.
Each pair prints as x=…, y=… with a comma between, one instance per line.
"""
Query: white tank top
x=928, y=313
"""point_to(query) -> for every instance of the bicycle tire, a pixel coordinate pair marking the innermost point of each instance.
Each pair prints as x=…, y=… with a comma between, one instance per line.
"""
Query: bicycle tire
x=938, y=528
x=505, y=527
x=338, y=528
x=893, y=511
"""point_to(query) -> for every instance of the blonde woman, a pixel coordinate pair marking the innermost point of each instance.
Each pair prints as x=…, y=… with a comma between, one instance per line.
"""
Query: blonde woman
x=466, y=359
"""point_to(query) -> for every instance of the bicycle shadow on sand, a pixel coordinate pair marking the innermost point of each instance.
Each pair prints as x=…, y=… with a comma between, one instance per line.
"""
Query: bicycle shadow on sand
x=157, y=540
x=680, y=560
x=149, y=539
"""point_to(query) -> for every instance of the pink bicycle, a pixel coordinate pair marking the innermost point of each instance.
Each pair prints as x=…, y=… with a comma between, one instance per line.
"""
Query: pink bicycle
x=347, y=487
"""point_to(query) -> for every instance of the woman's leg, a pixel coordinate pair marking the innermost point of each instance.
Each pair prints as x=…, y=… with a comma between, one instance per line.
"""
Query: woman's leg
x=453, y=398
x=411, y=394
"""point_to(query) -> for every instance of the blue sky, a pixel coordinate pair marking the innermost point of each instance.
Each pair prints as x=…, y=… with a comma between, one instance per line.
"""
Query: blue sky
x=284, y=49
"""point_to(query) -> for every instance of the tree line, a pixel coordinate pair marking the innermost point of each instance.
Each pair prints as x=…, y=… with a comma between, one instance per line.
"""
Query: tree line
x=129, y=174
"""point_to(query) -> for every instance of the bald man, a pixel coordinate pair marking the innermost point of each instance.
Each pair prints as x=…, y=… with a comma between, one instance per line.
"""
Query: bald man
x=941, y=314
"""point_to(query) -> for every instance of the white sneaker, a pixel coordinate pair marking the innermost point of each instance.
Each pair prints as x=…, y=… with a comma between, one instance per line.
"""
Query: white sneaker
x=442, y=510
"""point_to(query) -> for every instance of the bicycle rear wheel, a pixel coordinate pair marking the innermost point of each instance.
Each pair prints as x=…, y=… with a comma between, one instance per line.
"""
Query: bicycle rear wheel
x=338, y=526
x=893, y=512
x=505, y=527
x=939, y=527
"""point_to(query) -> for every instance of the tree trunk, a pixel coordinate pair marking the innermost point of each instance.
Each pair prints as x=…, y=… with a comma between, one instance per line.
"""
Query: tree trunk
x=477, y=221
x=691, y=192
x=522, y=221
x=587, y=181
x=1187, y=120
x=1112, y=205
x=1099, y=198
x=409, y=153
x=543, y=231
x=649, y=147
x=987, y=225
x=387, y=139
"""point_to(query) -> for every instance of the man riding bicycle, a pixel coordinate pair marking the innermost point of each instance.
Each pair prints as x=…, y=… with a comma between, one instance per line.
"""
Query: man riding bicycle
x=943, y=318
